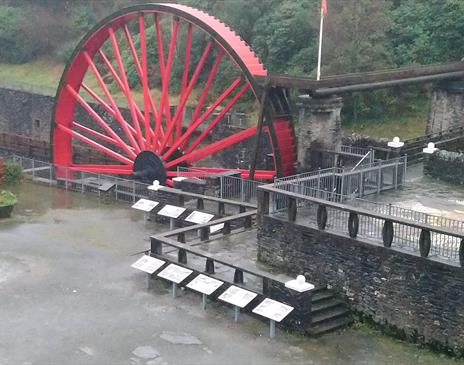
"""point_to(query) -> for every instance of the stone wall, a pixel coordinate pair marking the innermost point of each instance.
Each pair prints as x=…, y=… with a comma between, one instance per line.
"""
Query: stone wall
x=420, y=297
x=447, y=106
x=445, y=165
x=319, y=129
x=29, y=114
x=26, y=113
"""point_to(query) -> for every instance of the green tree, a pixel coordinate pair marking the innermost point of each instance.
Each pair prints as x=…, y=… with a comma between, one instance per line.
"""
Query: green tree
x=427, y=32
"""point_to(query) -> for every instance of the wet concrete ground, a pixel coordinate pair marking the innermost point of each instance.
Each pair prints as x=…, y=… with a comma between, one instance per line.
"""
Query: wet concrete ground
x=427, y=195
x=69, y=296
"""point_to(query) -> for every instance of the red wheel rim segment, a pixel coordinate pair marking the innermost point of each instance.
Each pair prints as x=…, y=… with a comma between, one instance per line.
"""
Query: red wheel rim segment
x=151, y=125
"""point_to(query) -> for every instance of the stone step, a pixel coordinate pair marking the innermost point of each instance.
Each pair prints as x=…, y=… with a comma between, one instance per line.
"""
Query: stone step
x=330, y=314
x=322, y=295
x=325, y=304
x=329, y=326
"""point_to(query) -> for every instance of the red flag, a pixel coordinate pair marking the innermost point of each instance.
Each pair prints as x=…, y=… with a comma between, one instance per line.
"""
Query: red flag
x=324, y=7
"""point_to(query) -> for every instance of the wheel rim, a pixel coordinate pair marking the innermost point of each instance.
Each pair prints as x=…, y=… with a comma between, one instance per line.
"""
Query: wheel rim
x=91, y=114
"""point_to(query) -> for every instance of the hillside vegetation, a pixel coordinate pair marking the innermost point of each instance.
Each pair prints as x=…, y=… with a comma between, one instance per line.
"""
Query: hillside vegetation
x=38, y=36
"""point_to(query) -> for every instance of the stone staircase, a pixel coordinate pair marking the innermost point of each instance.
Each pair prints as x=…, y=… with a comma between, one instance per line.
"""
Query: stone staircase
x=328, y=313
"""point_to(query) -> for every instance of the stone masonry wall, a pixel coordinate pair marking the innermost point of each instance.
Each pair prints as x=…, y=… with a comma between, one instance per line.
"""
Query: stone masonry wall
x=447, y=106
x=422, y=297
x=26, y=113
x=29, y=114
x=445, y=165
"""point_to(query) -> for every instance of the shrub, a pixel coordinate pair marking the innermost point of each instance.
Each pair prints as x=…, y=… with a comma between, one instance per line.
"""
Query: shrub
x=7, y=198
x=13, y=173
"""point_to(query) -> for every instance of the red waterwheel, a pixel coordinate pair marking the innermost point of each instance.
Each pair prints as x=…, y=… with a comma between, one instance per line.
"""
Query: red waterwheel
x=116, y=96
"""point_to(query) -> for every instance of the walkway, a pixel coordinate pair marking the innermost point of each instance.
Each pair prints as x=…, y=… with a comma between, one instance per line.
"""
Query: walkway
x=70, y=296
x=427, y=195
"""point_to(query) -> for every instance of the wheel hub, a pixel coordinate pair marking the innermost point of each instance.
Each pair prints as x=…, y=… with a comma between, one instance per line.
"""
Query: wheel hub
x=148, y=167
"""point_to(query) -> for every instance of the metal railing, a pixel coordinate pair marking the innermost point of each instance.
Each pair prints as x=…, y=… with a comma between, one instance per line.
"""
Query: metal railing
x=405, y=229
x=366, y=179
x=80, y=181
x=230, y=187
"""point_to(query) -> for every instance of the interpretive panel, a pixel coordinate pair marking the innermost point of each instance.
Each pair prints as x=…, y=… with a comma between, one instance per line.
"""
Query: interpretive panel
x=171, y=211
x=175, y=273
x=204, y=284
x=148, y=264
x=199, y=217
x=216, y=228
x=273, y=310
x=145, y=205
x=237, y=296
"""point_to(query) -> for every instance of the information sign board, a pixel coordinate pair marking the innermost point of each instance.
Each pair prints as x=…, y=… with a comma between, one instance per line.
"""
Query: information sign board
x=175, y=273
x=145, y=205
x=204, y=284
x=215, y=228
x=273, y=309
x=199, y=217
x=148, y=264
x=237, y=296
x=171, y=211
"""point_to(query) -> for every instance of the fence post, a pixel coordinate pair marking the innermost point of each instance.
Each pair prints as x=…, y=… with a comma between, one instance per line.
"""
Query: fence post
x=33, y=169
x=291, y=209
x=379, y=179
x=361, y=184
x=133, y=191
x=242, y=187
x=221, y=186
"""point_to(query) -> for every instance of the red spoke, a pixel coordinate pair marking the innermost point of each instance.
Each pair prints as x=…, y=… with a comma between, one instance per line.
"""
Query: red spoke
x=96, y=145
x=100, y=121
x=206, y=88
x=128, y=94
x=147, y=99
x=210, y=80
x=215, y=121
x=164, y=102
x=112, y=101
x=143, y=76
x=97, y=134
x=110, y=110
x=193, y=126
x=186, y=94
x=188, y=48
x=159, y=41
x=104, y=169
x=213, y=147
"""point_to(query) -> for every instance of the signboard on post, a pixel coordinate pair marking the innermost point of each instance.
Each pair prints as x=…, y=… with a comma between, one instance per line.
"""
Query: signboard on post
x=216, y=228
x=237, y=296
x=199, y=217
x=204, y=284
x=148, y=264
x=145, y=205
x=171, y=211
x=273, y=310
x=175, y=273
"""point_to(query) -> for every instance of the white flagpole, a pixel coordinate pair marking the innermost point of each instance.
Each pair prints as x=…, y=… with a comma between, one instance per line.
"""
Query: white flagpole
x=320, y=47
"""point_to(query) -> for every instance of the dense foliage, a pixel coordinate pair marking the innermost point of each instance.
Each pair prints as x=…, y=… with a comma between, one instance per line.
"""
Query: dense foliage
x=13, y=173
x=360, y=35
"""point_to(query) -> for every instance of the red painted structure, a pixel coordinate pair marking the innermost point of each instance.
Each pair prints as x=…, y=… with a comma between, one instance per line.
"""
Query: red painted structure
x=152, y=125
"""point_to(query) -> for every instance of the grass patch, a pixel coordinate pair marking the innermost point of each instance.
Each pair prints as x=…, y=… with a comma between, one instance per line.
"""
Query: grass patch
x=403, y=127
x=41, y=73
